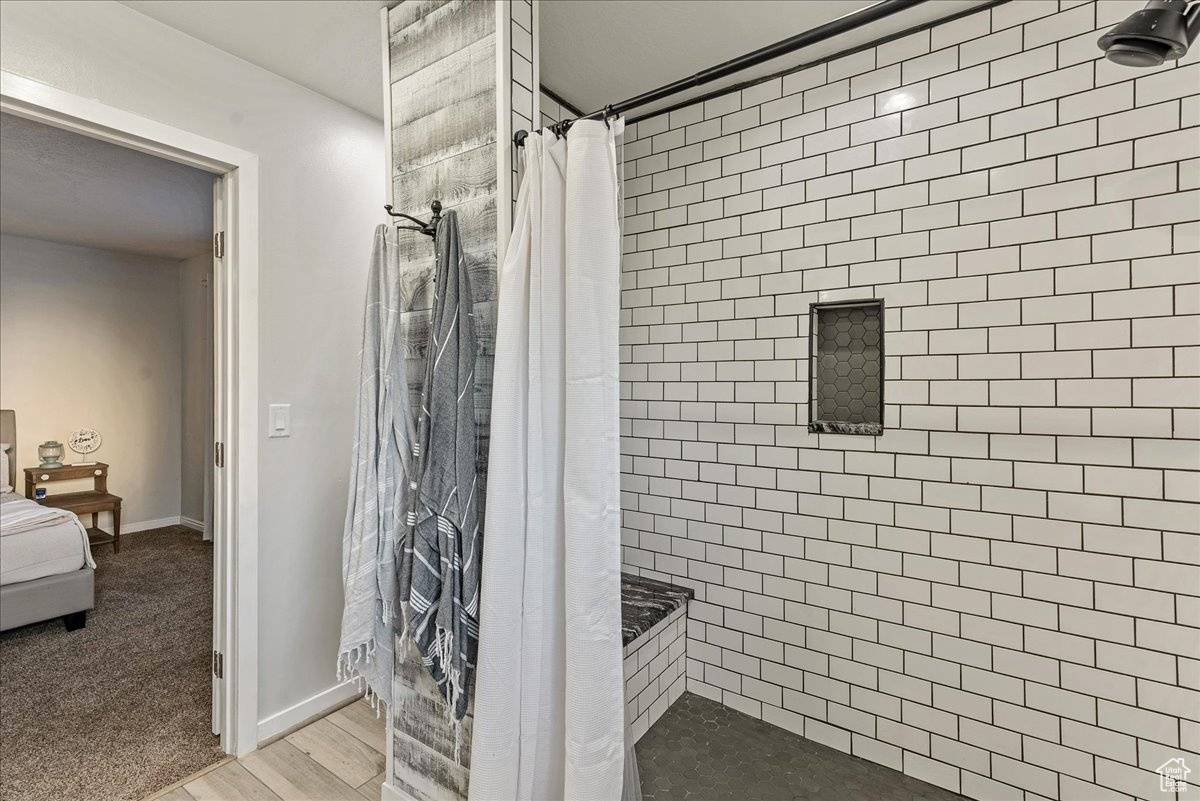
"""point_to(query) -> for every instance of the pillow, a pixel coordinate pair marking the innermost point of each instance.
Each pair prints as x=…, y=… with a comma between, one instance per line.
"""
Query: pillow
x=5, y=486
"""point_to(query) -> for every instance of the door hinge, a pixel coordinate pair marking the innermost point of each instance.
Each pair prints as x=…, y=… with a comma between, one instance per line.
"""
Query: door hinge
x=219, y=244
x=218, y=666
x=219, y=454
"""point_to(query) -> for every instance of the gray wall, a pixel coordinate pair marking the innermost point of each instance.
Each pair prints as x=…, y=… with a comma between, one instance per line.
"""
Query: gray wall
x=999, y=594
x=91, y=338
x=321, y=185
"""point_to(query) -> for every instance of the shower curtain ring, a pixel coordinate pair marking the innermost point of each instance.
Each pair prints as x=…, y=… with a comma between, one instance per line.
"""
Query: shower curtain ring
x=607, y=114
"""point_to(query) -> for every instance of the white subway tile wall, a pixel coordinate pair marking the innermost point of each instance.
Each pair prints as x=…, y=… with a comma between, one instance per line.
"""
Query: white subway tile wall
x=1000, y=594
x=655, y=673
x=522, y=98
x=550, y=110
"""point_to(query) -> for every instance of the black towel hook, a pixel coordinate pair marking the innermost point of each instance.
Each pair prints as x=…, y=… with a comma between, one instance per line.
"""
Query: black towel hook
x=427, y=228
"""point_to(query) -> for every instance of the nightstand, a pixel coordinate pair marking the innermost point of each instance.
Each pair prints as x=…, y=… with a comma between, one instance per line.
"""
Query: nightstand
x=92, y=502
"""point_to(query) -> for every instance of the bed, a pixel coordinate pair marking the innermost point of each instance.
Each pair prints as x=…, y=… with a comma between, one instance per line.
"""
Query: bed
x=46, y=567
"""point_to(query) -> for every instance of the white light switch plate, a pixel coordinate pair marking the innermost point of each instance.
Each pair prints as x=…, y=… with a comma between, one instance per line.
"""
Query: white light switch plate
x=279, y=420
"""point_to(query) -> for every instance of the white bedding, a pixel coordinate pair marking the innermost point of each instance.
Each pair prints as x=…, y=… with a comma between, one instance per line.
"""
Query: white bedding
x=5, y=483
x=38, y=541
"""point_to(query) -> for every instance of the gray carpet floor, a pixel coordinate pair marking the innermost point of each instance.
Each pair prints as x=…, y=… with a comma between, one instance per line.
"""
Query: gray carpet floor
x=121, y=708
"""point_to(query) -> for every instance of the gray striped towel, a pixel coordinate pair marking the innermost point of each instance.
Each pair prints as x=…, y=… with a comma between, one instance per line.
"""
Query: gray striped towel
x=440, y=564
x=379, y=482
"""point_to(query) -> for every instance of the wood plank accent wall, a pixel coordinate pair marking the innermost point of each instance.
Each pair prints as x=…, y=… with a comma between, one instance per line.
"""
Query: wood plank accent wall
x=446, y=58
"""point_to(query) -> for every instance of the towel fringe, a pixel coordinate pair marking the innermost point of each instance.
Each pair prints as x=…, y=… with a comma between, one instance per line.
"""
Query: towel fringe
x=349, y=664
x=348, y=669
x=443, y=649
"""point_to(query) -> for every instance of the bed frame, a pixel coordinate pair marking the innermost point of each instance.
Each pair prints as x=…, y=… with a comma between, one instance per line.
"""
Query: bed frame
x=67, y=595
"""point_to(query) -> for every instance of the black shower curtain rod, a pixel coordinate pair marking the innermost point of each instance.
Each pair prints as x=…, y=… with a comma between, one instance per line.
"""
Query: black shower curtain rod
x=843, y=24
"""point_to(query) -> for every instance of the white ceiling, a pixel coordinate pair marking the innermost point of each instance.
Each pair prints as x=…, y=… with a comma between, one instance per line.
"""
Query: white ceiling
x=66, y=187
x=594, y=52
x=329, y=46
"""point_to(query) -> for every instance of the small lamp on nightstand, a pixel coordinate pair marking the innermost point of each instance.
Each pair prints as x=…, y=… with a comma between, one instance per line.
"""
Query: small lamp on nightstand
x=51, y=453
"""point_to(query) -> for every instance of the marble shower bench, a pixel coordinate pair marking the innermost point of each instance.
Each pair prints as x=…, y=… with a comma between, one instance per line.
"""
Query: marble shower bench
x=654, y=633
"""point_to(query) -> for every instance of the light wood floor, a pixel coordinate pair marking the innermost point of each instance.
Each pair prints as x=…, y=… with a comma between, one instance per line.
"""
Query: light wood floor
x=337, y=758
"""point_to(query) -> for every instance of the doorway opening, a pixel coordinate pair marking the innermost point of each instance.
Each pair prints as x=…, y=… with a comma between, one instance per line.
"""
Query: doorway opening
x=222, y=306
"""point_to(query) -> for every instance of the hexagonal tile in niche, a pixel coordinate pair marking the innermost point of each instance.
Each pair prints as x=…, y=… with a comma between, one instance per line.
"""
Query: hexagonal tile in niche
x=846, y=366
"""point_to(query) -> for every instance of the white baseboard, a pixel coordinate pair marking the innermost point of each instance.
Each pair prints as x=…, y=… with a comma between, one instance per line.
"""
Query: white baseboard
x=391, y=793
x=146, y=525
x=192, y=522
x=162, y=522
x=317, y=706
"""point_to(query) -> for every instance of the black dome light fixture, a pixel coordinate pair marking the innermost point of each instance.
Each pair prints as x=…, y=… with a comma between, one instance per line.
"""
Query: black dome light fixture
x=1161, y=31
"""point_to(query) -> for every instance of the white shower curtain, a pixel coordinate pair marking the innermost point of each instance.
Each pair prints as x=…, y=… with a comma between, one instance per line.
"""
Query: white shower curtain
x=549, y=696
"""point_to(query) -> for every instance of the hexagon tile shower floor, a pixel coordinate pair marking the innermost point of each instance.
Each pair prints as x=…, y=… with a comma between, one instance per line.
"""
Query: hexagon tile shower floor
x=703, y=751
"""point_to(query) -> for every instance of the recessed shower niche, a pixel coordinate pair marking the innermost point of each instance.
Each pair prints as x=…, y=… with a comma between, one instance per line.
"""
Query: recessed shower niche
x=846, y=367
